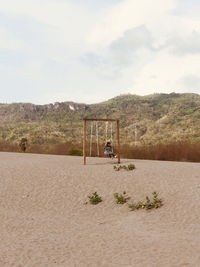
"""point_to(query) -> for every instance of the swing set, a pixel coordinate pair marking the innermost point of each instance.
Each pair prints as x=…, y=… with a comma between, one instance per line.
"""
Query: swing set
x=97, y=136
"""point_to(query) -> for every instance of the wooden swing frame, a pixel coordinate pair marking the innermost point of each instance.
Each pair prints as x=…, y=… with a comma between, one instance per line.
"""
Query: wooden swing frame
x=85, y=141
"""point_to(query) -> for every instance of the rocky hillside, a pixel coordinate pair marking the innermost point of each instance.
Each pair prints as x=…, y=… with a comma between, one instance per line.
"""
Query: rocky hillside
x=143, y=119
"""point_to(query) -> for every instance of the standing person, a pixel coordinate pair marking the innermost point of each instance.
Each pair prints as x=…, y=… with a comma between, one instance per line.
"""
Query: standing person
x=108, y=150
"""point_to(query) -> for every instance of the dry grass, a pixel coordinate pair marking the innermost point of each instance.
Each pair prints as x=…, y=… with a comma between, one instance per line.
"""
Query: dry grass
x=8, y=147
x=180, y=151
x=55, y=149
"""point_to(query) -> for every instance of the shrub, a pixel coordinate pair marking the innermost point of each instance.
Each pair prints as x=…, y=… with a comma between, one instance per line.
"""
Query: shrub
x=137, y=205
x=23, y=144
x=75, y=152
x=156, y=203
x=130, y=167
x=8, y=146
x=176, y=151
x=120, y=199
x=95, y=198
x=148, y=204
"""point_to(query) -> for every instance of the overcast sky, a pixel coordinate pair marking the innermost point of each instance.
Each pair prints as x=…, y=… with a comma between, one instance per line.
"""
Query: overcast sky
x=92, y=50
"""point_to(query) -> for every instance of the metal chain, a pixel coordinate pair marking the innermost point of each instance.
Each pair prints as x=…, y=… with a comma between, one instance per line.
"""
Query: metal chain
x=106, y=132
x=97, y=138
x=91, y=132
x=111, y=135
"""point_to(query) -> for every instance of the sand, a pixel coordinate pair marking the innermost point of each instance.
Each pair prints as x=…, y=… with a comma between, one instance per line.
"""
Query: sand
x=44, y=221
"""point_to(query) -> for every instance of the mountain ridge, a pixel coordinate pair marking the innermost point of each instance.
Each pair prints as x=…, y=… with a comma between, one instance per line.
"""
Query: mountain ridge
x=143, y=119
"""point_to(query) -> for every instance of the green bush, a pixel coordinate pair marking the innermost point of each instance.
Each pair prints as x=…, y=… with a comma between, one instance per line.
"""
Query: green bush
x=130, y=167
x=120, y=198
x=137, y=205
x=156, y=203
x=95, y=198
x=23, y=144
x=75, y=152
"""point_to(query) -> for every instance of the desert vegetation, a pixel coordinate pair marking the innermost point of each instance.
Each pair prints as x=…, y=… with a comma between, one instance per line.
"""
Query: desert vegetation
x=178, y=151
x=157, y=127
x=144, y=120
x=130, y=167
x=6, y=146
x=121, y=198
x=94, y=198
x=55, y=149
x=148, y=204
x=23, y=144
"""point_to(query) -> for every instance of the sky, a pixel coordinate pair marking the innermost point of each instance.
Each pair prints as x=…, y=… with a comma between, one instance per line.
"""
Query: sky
x=89, y=51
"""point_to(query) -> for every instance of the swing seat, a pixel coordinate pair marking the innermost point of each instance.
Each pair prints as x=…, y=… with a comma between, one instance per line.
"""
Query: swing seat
x=108, y=153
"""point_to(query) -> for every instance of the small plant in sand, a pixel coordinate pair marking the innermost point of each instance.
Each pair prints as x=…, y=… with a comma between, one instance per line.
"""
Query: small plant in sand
x=120, y=198
x=130, y=167
x=156, y=203
x=137, y=205
x=95, y=198
x=148, y=204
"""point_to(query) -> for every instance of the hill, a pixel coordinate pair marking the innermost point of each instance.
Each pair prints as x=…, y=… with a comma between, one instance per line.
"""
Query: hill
x=143, y=119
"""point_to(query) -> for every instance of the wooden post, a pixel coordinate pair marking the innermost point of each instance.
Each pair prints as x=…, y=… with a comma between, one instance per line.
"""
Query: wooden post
x=118, y=140
x=84, y=142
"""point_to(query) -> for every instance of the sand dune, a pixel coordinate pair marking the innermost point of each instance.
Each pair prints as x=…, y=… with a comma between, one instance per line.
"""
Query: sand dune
x=44, y=221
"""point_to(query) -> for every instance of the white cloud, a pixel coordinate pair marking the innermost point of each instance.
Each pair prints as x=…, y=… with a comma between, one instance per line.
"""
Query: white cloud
x=191, y=83
x=127, y=15
x=7, y=41
x=56, y=50
x=154, y=65
x=189, y=44
x=67, y=22
x=166, y=74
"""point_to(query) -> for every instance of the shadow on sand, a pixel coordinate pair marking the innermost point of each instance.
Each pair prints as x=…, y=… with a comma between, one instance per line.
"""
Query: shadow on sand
x=112, y=162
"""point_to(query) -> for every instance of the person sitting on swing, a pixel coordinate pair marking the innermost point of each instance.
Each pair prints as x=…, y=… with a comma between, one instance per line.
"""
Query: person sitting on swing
x=108, y=150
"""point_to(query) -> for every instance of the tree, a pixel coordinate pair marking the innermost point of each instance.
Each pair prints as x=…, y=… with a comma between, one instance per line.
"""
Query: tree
x=23, y=144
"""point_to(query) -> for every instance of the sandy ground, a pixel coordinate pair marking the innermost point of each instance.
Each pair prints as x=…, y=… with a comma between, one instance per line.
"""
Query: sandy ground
x=44, y=222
